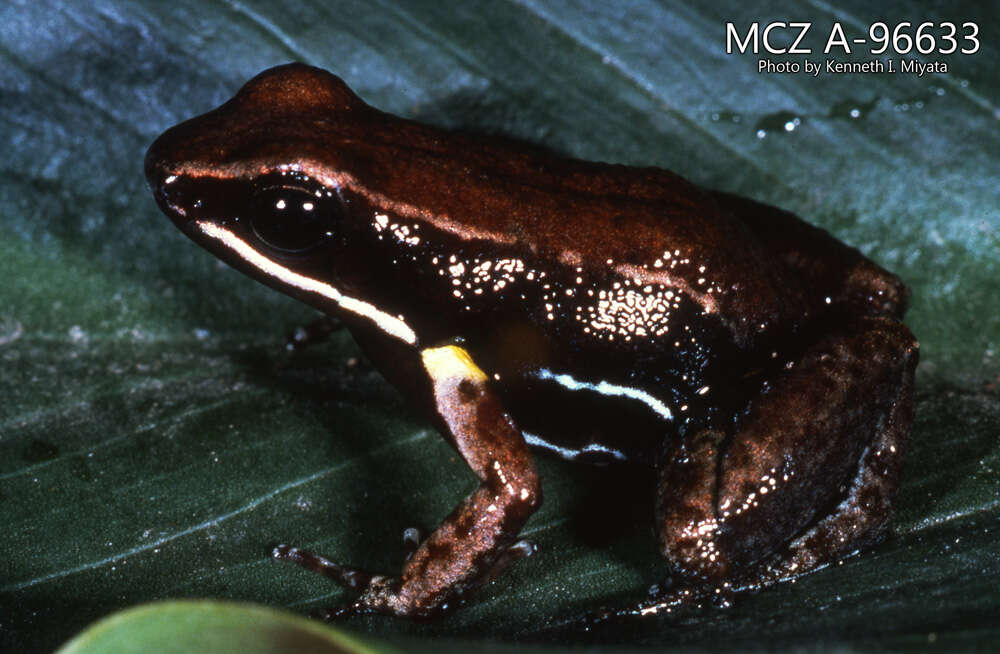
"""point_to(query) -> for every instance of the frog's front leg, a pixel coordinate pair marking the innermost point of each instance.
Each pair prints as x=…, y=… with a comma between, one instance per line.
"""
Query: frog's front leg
x=806, y=477
x=479, y=535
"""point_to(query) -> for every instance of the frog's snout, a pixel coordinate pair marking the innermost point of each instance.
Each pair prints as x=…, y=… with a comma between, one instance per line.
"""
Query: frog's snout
x=181, y=190
x=161, y=181
x=170, y=195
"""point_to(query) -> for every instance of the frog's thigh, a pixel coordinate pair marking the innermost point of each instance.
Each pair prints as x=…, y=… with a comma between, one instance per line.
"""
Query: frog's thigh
x=475, y=537
x=808, y=476
x=824, y=265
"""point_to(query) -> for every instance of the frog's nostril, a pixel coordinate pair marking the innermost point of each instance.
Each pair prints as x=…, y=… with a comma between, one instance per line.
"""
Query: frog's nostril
x=170, y=195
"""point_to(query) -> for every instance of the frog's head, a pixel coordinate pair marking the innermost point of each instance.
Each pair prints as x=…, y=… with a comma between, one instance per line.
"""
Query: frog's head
x=264, y=183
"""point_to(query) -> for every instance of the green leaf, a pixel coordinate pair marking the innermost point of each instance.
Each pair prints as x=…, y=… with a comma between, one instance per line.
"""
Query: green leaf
x=155, y=438
x=210, y=628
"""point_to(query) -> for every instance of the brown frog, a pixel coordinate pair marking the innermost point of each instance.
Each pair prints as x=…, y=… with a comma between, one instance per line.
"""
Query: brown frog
x=602, y=312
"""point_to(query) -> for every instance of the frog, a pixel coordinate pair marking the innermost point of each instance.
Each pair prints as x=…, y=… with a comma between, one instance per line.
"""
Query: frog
x=523, y=301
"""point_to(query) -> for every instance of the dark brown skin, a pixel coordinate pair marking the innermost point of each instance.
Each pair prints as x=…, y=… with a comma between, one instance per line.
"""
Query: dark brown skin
x=602, y=312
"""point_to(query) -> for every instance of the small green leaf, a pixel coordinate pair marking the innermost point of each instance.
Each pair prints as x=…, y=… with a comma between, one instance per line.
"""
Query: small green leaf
x=211, y=628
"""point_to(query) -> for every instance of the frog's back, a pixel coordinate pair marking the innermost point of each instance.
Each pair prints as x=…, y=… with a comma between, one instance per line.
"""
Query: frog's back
x=639, y=228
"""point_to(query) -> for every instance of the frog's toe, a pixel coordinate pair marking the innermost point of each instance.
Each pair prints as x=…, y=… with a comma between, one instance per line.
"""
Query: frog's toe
x=346, y=577
x=412, y=537
x=522, y=549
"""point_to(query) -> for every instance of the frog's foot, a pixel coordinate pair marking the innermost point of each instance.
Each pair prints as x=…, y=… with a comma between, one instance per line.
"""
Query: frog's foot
x=376, y=590
x=807, y=478
x=379, y=593
x=317, y=331
x=346, y=577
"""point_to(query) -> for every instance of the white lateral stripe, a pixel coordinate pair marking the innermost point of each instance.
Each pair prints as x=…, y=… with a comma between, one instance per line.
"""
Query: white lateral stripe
x=389, y=324
x=570, y=454
x=605, y=388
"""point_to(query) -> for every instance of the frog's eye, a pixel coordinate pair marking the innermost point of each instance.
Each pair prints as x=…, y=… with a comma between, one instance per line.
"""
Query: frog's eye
x=292, y=219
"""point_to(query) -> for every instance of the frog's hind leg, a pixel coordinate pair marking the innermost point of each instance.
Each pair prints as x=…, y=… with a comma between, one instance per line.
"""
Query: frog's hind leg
x=807, y=477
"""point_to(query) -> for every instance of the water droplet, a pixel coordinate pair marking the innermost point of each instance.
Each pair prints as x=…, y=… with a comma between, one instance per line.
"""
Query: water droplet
x=852, y=109
x=78, y=335
x=727, y=117
x=782, y=121
x=912, y=104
